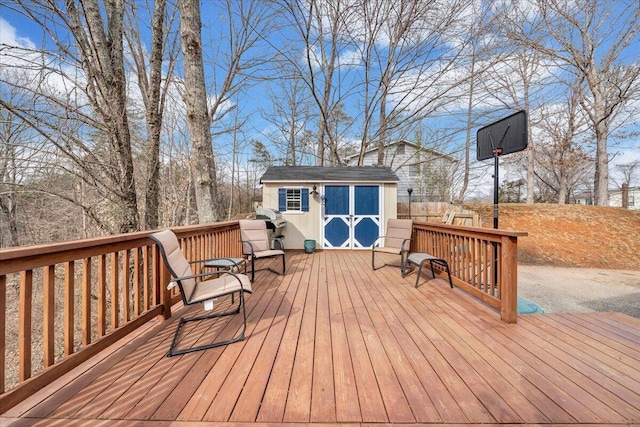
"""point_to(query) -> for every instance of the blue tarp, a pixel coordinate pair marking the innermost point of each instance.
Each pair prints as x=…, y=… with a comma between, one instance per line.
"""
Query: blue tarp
x=528, y=307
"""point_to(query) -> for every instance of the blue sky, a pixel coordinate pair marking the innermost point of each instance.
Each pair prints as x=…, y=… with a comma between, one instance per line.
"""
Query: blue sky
x=255, y=99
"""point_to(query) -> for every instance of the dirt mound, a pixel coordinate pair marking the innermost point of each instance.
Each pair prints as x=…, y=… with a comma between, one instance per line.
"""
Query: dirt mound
x=571, y=235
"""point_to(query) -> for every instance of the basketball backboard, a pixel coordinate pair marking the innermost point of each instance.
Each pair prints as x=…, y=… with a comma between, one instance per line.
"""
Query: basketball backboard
x=505, y=136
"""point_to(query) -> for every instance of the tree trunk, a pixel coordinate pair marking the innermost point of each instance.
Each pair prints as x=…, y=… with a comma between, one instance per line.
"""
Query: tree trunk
x=382, y=133
x=601, y=178
x=103, y=62
x=8, y=208
x=467, y=145
x=195, y=97
x=154, y=112
x=563, y=190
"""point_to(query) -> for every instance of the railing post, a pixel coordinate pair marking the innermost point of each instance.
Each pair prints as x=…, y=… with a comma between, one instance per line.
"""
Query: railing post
x=509, y=280
x=165, y=294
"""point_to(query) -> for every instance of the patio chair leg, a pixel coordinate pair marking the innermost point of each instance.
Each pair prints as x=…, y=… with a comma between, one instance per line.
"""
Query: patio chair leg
x=283, y=265
x=418, y=273
x=446, y=266
x=172, y=352
x=373, y=267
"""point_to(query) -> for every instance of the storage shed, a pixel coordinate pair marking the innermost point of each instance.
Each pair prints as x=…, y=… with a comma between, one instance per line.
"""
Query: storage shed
x=343, y=207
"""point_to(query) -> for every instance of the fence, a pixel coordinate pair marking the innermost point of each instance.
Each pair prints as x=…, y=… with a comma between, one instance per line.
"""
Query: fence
x=482, y=261
x=439, y=212
x=71, y=300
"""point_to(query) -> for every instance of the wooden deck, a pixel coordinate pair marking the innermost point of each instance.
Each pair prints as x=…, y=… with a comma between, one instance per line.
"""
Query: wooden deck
x=335, y=342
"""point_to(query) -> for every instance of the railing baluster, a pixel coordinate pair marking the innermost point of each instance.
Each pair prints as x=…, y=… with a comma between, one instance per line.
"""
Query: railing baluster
x=115, y=298
x=126, y=294
x=137, y=282
x=155, y=274
x=86, y=301
x=24, y=338
x=147, y=274
x=69, y=282
x=3, y=333
x=102, y=297
x=48, y=302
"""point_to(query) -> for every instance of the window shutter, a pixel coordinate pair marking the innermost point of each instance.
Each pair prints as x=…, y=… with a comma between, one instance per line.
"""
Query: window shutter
x=282, y=199
x=305, y=199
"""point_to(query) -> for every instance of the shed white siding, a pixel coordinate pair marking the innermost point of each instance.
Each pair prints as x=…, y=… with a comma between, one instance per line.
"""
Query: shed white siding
x=308, y=225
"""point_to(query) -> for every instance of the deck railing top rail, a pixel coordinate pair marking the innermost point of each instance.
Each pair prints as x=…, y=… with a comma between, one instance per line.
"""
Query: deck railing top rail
x=28, y=257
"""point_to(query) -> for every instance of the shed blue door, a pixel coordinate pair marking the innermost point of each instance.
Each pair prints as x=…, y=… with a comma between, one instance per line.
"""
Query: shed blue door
x=351, y=216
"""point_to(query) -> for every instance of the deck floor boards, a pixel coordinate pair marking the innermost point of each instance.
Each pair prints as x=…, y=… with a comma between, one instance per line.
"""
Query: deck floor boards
x=333, y=341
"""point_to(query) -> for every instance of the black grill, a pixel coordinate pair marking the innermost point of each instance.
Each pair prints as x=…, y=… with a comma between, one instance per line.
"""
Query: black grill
x=275, y=224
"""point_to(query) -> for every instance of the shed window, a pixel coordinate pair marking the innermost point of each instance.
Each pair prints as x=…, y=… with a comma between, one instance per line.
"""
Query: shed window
x=293, y=199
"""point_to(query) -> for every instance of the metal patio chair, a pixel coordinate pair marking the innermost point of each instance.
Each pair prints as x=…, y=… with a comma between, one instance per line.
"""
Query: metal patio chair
x=256, y=245
x=397, y=241
x=195, y=290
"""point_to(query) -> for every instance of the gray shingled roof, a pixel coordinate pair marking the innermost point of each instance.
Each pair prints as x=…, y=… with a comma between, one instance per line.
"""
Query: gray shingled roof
x=321, y=174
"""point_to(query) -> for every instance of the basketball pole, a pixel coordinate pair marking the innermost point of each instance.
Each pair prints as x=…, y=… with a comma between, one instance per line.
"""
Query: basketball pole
x=496, y=186
x=497, y=151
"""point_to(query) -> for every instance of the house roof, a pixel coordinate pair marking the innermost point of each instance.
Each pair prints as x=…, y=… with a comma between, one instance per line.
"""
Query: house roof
x=435, y=153
x=619, y=190
x=323, y=174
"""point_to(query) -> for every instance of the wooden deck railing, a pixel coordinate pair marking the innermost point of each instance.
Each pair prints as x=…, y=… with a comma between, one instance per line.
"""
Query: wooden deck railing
x=68, y=301
x=61, y=304
x=482, y=261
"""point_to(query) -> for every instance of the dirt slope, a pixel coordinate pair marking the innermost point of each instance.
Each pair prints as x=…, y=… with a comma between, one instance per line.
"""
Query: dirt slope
x=571, y=235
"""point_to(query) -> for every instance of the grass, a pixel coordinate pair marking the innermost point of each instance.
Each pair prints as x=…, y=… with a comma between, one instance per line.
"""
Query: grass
x=571, y=235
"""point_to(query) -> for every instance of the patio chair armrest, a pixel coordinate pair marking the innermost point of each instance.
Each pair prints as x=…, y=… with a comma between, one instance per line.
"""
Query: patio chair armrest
x=250, y=246
x=195, y=276
x=376, y=241
x=404, y=242
x=235, y=277
x=200, y=261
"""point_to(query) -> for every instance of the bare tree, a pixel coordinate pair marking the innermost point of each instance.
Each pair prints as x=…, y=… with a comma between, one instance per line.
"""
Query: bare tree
x=11, y=131
x=562, y=157
x=522, y=81
x=320, y=24
x=479, y=51
x=410, y=51
x=290, y=114
x=195, y=98
x=89, y=103
x=237, y=58
x=98, y=32
x=628, y=172
x=233, y=69
x=591, y=37
x=153, y=88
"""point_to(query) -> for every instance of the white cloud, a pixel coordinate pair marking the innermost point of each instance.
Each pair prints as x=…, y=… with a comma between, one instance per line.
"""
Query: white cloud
x=23, y=63
x=9, y=36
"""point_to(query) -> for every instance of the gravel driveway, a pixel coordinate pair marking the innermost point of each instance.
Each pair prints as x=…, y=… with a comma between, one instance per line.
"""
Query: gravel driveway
x=571, y=290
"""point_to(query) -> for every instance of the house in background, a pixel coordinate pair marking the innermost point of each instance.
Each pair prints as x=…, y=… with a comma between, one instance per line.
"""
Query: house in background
x=339, y=207
x=616, y=198
x=630, y=195
x=429, y=173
